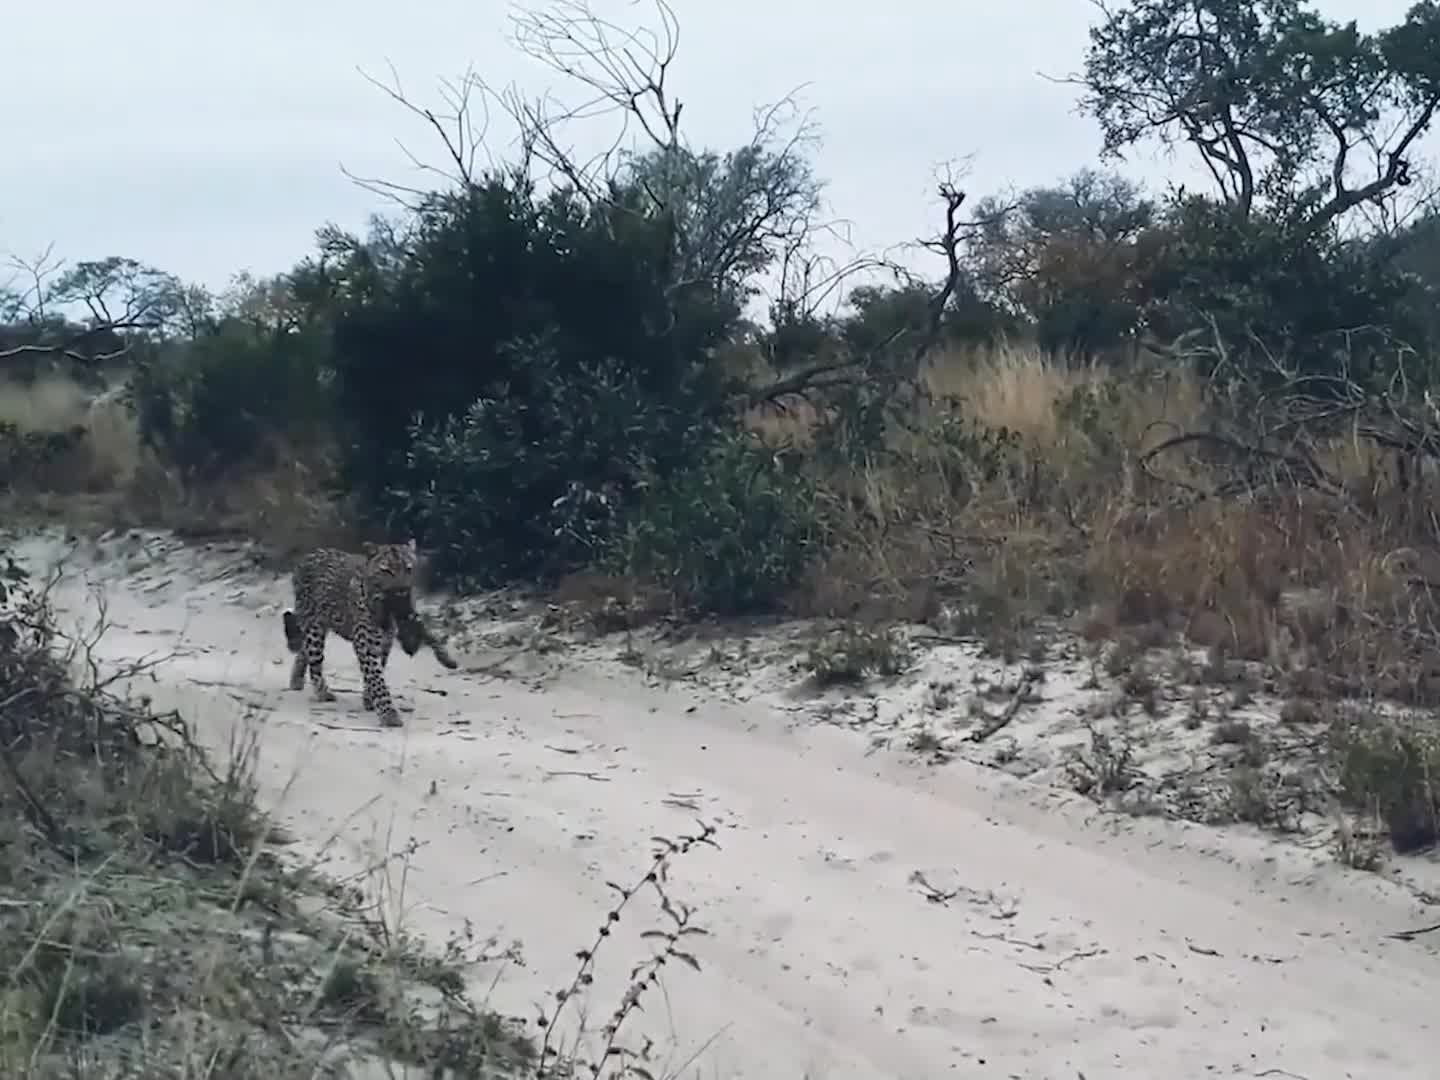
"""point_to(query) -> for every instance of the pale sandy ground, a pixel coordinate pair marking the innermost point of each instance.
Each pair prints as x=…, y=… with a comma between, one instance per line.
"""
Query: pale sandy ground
x=1077, y=942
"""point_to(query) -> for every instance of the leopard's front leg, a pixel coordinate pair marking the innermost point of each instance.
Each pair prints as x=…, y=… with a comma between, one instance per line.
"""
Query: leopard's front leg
x=386, y=643
x=372, y=674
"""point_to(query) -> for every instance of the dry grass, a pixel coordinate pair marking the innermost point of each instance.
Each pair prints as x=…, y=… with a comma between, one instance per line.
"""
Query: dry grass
x=1018, y=504
x=995, y=485
x=51, y=403
x=1019, y=494
x=73, y=456
x=57, y=435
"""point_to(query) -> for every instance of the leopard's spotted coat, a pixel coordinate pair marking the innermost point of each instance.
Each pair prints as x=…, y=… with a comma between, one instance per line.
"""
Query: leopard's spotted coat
x=364, y=599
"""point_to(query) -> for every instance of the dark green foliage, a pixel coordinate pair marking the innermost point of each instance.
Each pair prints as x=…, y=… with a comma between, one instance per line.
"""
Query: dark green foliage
x=530, y=483
x=29, y=458
x=1088, y=263
x=898, y=318
x=523, y=359
x=233, y=395
x=1387, y=767
x=1277, y=101
x=1415, y=253
x=1267, y=285
x=1275, y=98
x=1072, y=259
x=730, y=534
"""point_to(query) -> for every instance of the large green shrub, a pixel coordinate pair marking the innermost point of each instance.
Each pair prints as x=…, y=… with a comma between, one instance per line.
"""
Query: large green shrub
x=1276, y=289
x=515, y=357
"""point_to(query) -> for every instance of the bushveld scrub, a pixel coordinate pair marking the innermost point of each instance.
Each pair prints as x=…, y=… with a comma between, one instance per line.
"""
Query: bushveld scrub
x=1020, y=497
x=559, y=382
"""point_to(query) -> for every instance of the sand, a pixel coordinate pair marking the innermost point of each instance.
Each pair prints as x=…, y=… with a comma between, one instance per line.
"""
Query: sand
x=871, y=912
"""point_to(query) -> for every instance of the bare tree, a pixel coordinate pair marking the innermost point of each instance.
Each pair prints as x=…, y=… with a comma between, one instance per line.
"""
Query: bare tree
x=623, y=71
x=735, y=218
x=462, y=124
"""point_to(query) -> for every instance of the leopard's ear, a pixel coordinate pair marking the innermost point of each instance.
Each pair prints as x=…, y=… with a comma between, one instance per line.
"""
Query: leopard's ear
x=369, y=547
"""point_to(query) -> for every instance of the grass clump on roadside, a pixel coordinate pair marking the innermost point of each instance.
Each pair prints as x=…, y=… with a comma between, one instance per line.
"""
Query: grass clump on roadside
x=851, y=654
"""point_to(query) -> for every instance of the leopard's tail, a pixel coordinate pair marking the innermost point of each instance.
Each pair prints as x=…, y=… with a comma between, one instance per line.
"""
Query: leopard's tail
x=293, y=637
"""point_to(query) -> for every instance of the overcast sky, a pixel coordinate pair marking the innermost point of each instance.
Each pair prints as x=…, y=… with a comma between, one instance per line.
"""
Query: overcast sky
x=209, y=138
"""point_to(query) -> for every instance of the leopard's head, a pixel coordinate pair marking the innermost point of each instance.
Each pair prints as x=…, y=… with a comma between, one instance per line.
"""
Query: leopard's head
x=391, y=567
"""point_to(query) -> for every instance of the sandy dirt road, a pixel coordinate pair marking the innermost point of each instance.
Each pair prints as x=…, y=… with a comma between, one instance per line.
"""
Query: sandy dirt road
x=1076, y=944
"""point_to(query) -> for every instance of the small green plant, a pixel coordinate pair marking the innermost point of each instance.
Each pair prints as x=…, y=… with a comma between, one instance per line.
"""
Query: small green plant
x=1359, y=850
x=1106, y=768
x=671, y=945
x=854, y=653
x=1232, y=732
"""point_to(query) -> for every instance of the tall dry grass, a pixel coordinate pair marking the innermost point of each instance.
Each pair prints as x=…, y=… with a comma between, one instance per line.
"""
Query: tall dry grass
x=61, y=436
x=1016, y=493
x=1010, y=463
x=1019, y=495
x=49, y=403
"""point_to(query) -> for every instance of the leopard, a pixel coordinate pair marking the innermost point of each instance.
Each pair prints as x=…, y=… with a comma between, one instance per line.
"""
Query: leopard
x=367, y=600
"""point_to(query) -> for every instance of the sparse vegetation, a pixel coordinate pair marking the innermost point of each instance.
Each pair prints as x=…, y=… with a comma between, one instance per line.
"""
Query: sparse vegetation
x=1197, y=429
x=852, y=654
x=150, y=930
x=152, y=927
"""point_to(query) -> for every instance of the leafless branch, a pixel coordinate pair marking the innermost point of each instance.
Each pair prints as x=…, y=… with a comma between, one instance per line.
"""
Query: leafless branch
x=624, y=69
x=461, y=132
x=830, y=372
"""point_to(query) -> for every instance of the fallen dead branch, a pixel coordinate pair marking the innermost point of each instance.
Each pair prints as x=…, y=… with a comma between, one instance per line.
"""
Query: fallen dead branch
x=1002, y=720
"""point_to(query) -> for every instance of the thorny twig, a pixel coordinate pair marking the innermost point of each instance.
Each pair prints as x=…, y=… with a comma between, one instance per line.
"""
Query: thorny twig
x=645, y=974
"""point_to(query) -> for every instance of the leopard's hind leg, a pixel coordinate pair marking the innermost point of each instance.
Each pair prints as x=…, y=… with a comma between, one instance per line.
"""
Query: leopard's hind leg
x=313, y=654
x=295, y=641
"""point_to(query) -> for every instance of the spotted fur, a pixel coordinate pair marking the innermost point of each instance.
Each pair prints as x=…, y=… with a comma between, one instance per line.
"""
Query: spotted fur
x=353, y=596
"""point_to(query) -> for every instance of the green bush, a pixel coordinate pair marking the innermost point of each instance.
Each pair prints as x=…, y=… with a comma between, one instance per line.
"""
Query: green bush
x=729, y=535
x=533, y=483
x=510, y=366
x=1274, y=289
